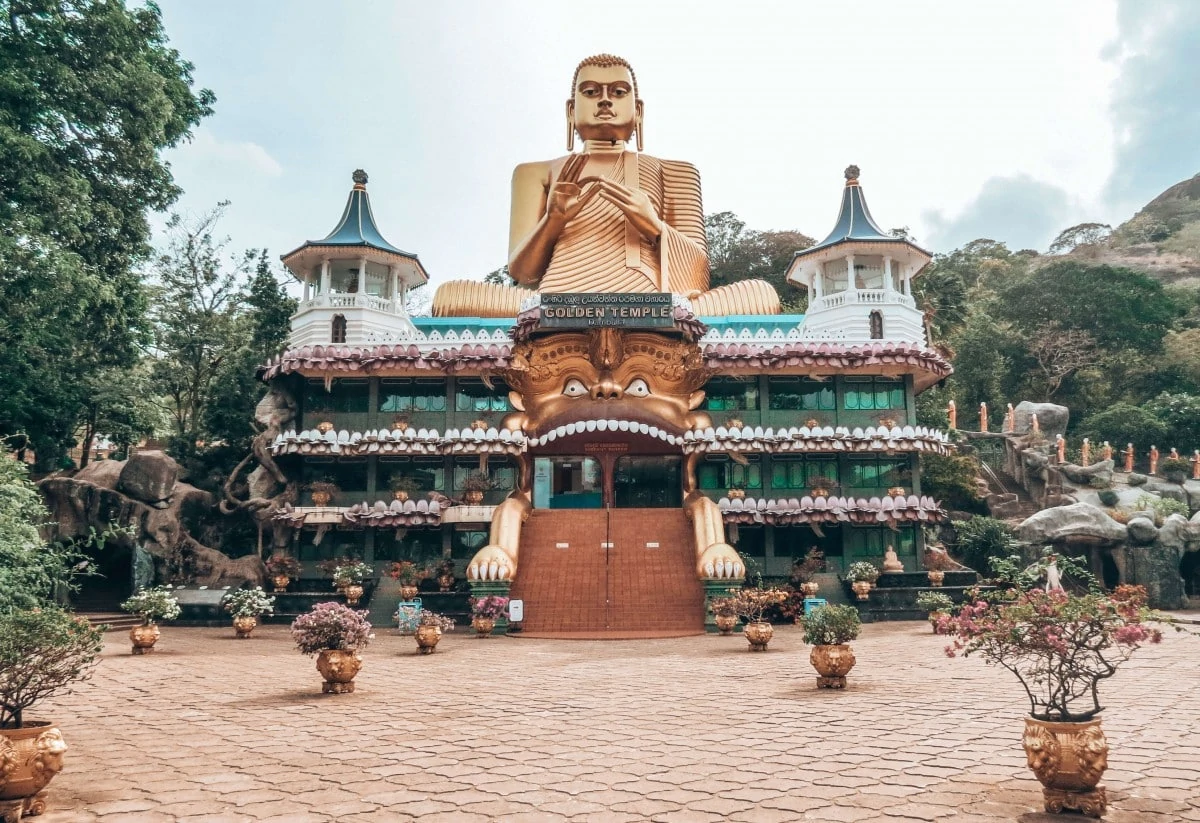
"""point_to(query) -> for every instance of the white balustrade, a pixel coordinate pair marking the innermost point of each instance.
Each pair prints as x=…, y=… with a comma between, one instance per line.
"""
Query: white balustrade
x=344, y=300
x=874, y=297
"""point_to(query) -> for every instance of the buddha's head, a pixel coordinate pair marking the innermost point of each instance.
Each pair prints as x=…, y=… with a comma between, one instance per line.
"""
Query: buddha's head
x=604, y=103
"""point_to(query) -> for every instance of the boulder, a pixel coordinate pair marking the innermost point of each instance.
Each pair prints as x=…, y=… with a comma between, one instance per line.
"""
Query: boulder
x=1156, y=566
x=1192, y=489
x=149, y=476
x=1141, y=530
x=1098, y=475
x=1168, y=490
x=1052, y=418
x=1058, y=499
x=103, y=473
x=276, y=410
x=1078, y=523
x=1136, y=479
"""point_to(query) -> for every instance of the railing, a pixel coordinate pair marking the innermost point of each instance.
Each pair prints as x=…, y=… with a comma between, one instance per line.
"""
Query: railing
x=343, y=300
x=874, y=297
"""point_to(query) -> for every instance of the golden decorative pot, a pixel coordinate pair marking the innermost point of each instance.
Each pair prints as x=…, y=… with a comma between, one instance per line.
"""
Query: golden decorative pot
x=339, y=668
x=736, y=494
x=734, y=423
x=321, y=499
x=832, y=663
x=810, y=589
x=483, y=626
x=896, y=491
x=400, y=494
x=812, y=423
x=936, y=578
x=353, y=593
x=400, y=425
x=324, y=427
x=408, y=591
x=759, y=635
x=862, y=588
x=244, y=624
x=427, y=638
x=934, y=617
x=820, y=491
x=281, y=582
x=29, y=756
x=445, y=582
x=726, y=623
x=473, y=498
x=1069, y=759
x=144, y=638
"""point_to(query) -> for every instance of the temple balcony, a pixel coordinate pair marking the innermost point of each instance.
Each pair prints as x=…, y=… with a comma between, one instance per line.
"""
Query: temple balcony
x=355, y=319
x=873, y=297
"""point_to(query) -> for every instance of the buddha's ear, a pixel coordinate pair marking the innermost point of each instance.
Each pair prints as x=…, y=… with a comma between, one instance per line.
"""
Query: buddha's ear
x=570, y=125
x=640, y=108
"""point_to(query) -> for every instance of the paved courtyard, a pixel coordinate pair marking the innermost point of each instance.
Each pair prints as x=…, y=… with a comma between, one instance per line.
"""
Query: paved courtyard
x=210, y=728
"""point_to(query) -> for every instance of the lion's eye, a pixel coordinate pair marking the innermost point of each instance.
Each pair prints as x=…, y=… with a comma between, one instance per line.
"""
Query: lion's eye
x=574, y=388
x=638, y=388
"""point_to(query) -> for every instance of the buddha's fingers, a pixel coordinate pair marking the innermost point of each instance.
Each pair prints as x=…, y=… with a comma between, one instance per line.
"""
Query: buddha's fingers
x=572, y=168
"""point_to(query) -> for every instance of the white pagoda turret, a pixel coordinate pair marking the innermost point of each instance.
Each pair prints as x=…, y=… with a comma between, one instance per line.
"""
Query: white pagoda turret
x=859, y=279
x=355, y=281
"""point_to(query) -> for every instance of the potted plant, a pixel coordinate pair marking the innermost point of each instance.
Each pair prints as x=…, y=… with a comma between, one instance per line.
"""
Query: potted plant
x=936, y=565
x=445, y=575
x=430, y=626
x=751, y=605
x=803, y=571
x=862, y=576
x=736, y=491
x=403, y=486
x=1060, y=646
x=1174, y=469
x=153, y=604
x=246, y=606
x=936, y=605
x=336, y=634
x=323, y=492
x=348, y=577
x=282, y=568
x=725, y=614
x=400, y=423
x=42, y=652
x=408, y=574
x=485, y=611
x=474, y=486
x=828, y=629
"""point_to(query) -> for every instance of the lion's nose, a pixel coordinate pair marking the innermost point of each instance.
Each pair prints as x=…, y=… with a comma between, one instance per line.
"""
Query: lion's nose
x=606, y=390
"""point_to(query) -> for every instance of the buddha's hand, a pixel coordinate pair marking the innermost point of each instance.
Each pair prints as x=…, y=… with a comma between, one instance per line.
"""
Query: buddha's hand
x=635, y=203
x=565, y=200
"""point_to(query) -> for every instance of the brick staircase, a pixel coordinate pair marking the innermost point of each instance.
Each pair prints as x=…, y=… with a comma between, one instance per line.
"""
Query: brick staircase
x=631, y=590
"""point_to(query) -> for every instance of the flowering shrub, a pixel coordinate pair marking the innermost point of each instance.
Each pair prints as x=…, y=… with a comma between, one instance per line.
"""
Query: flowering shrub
x=249, y=602
x=723, y=607
x=157, y=603
x=934, y=602
x=490, y=607
x=440, y=621
x=804, y=570
x=407, y=572
x=331, y=626
x=351, y=573
x=42, y=651
x=278, y=564
x=862, y=572
x=831, y=625
x=1059, y=645
x=752, y=604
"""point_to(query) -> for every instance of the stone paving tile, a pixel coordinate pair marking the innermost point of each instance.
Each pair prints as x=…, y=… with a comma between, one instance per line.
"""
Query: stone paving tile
x=691, y=729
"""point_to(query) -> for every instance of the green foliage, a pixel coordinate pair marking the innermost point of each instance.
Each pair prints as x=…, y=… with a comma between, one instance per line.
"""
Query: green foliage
x=32, y=573
x=980, y=539
x=934, y=602
x=862, y=572
x=1123, y=423
x=831, y=625
x=1084, y=234
x=1180, y=414
x=1161, y=507
x=950, y=479
x=249, y=602
x=42, y=652
x=1174, y=464
x=737, y=253
x=91, y=93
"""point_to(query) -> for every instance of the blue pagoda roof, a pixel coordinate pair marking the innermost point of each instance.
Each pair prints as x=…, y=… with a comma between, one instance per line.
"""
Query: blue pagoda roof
x=854, y=221
x=356, y=227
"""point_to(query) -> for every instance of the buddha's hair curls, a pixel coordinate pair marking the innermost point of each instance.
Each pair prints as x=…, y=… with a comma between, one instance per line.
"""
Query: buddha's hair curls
x=604, y=61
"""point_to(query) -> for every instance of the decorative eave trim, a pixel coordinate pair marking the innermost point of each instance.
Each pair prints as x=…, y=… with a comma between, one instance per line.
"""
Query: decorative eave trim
x=820, y=439
x=852, y=510
x=824, y=355
x=411, y=441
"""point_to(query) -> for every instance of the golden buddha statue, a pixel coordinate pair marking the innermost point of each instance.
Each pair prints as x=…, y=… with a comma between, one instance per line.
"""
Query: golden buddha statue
x=606, y=219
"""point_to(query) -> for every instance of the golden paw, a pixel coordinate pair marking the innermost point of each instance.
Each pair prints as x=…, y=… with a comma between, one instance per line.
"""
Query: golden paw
x=721, y=561
x=491, y=563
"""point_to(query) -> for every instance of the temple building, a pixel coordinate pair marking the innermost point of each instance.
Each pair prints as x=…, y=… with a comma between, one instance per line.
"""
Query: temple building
x=786, y=432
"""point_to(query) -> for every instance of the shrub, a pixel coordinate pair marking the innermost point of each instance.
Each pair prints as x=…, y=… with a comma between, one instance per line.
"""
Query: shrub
x=752, y=604
x=440, y=621
x=1174, y=465
x=862, y=572
x=279, y=564
x=1123, y=423
x=831, y=625
x=1160, y=507
x=934, y=602
x=490, y=607
x=42, y=652
x=352, y=573
x=249, y=602
x=812, y=564
x=950, y=479
x=157, y=603
x=723, y=607
x=331, y=626
x=982, y=538
x=407, y=572
x=1109, y=498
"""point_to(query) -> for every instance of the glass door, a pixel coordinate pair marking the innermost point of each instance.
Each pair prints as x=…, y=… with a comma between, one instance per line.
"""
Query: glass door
x=567, y=483
x=648, y=483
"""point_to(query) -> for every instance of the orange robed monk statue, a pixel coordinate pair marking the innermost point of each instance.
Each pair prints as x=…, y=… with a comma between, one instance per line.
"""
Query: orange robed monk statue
x=606, y=219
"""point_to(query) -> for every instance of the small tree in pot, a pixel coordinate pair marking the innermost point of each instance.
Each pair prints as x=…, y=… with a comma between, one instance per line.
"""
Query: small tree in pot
x=828, y=629
x=336, y=634
x=936, y=605
x=430, y=626
x=474, y=486
x=151, y=605
x=246, y=606
x=752, y=605
x=862, y=575
x=803, y=571
x=485, y=611
x=283, y=568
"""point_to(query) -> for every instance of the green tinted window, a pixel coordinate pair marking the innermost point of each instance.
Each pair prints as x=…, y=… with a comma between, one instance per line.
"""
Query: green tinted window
x=874, y=393
x=800, y=394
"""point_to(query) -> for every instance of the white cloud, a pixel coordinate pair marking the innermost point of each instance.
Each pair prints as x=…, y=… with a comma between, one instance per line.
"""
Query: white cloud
x=206, y=148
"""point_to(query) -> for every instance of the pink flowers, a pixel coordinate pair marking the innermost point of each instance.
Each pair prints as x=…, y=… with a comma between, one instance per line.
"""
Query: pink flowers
x=1059, y=645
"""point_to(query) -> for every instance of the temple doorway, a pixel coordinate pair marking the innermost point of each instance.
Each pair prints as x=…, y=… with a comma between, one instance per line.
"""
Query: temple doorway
x=608, y=481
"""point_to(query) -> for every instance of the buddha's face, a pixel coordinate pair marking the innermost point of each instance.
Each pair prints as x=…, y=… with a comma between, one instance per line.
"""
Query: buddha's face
x=604, y=107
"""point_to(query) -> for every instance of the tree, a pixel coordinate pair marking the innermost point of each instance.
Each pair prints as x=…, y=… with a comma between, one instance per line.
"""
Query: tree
x=1084, y=234
x=197, y=300
x=90, y=94
x=1060, y=353
x=735, y=253
x=118, y=404
x=500, y=276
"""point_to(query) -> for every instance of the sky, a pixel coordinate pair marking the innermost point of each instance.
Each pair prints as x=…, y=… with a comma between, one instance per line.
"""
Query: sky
x=1010, y=120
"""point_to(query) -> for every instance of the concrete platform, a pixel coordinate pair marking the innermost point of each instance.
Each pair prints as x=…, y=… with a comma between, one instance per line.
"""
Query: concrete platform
x=209, y=729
